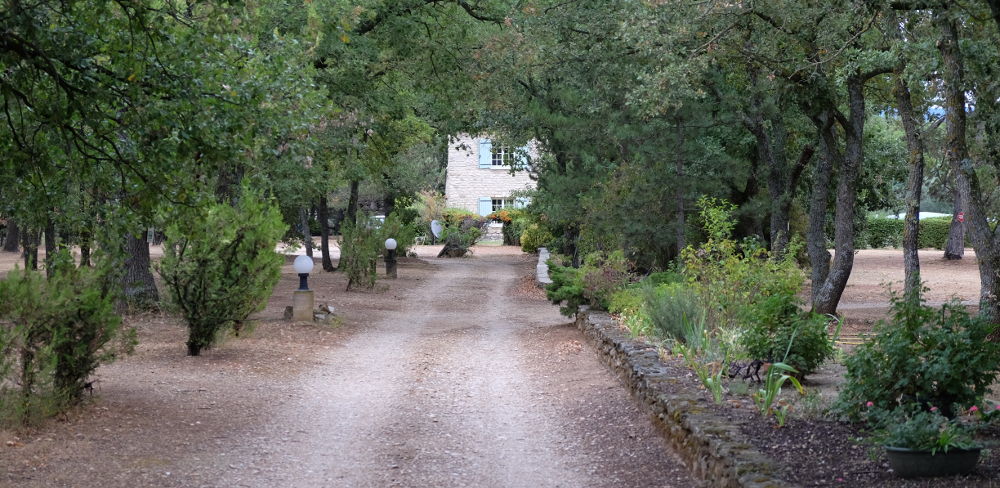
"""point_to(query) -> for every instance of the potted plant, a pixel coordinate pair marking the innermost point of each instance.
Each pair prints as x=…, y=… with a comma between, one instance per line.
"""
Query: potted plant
x=926, y=444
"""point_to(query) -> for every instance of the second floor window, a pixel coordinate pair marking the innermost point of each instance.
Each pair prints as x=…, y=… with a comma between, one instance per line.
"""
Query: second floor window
x=501, y=156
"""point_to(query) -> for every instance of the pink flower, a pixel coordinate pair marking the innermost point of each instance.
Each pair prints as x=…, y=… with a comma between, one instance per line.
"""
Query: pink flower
x=872, y=404
x=973, y=408
x=998, y=407
x=934, y=409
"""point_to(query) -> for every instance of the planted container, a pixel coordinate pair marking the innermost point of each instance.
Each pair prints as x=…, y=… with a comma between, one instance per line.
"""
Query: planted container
x=913, y=463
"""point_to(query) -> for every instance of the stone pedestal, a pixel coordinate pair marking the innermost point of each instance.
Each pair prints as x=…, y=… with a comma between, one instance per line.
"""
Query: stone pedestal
x=303, y=303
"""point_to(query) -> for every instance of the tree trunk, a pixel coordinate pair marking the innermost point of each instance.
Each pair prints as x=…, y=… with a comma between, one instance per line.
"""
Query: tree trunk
x=29, y=245
x=352, y=204
x=304, y=230
x=85, y=239
x=828, y=296
x=12, y=242
x=680, y=232
x=389, y=203
x=954, y=248
x=984, y=240
x=324, y=232
x=819, y=256
x=911, y=226
x=51, y=240
x=138, y=287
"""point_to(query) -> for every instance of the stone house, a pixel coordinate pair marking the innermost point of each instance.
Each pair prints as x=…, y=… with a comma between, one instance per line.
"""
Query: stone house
x=479, y=177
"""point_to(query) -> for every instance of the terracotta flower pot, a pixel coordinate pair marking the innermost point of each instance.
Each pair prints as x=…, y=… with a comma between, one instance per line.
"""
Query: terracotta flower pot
x=910, y=463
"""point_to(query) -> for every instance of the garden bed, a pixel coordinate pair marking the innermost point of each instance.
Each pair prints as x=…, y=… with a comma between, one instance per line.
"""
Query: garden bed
x=732, y=445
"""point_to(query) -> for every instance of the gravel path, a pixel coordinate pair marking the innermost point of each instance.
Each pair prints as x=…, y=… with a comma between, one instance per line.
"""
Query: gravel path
x=465, y=386
x=457, y=374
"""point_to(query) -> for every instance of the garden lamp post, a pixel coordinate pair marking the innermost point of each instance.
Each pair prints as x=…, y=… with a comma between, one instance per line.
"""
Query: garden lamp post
x=303, y=300
x=390, y=257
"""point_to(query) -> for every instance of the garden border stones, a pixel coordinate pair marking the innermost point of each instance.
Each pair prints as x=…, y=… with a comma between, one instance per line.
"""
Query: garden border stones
x=713, y=448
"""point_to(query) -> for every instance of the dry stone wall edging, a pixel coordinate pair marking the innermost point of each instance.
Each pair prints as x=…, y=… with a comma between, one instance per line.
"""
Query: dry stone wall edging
x=713, y=448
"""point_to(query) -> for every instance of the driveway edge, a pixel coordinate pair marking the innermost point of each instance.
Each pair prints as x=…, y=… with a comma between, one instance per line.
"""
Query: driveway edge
x=713, y=448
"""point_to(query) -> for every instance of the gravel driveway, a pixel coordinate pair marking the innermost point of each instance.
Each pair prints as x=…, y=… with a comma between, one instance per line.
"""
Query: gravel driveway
x=462, y=376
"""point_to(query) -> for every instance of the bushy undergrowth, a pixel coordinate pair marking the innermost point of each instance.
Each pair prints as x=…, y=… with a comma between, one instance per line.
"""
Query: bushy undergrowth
x=514, y=221
x=779, y=331
x=53, y=334
x=535, y=236
x=360, y=246
x=593, y=284
x=935, y=357
x=219, y=265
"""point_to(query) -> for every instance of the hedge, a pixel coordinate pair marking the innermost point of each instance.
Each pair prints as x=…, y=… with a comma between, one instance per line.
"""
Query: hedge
x=883, y=232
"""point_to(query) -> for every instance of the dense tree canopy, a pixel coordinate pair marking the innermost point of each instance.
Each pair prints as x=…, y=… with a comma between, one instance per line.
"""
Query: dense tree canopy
x=806, y=115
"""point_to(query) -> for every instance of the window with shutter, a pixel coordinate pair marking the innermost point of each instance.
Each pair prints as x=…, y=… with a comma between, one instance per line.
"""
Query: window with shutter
x=485, y=153
x=485, y=206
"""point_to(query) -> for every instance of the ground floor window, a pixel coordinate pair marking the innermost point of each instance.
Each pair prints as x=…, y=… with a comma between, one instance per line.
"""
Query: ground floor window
x=502, y=203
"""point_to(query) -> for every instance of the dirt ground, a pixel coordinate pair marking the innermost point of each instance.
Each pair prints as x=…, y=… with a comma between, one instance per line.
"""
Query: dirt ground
x=876, y=271
x=458, y=373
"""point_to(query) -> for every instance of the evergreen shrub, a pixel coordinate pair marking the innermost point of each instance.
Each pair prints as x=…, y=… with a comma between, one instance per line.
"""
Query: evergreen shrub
x=219, y=265
x=53, y=334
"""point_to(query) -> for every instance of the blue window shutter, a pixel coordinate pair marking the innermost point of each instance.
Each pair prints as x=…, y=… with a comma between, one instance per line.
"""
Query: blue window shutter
x=522, y=157
x=485, y=206
x=521, y=202
x=485, y=153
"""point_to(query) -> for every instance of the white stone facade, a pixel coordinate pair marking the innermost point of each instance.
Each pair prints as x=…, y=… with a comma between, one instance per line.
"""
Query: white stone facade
x=473, y=183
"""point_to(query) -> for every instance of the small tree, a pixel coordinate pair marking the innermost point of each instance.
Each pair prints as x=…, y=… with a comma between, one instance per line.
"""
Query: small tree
x=53, y=334
x=360, y=248
x=220, y=265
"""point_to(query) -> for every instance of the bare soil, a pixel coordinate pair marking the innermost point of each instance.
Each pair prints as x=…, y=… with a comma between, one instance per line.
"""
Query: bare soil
x=458, y=373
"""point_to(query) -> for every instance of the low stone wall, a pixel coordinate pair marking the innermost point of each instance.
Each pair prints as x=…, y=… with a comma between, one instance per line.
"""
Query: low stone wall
x=542, y=269
x=713, y=448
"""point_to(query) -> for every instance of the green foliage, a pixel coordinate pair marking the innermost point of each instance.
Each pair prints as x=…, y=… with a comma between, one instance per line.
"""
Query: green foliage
x=675, y=311
x=461, y=234
x=53, y=334
x=603, y=275
x=220, y=266
x=361, y=245
x=748, y=293
x=766, y=397
x=593, y=284
x=535, y=236
x=515, y=222
x=923, y=430
x=628, y=305
x=935, y=357
x=456, y=216
x=566, y=289
x=402, y=227
x=934, y=232
x=779, y=331
x=732, y=279
x=882, y=232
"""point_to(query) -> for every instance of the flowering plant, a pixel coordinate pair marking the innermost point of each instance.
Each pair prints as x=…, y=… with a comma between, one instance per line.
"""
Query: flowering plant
x=986, y=414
